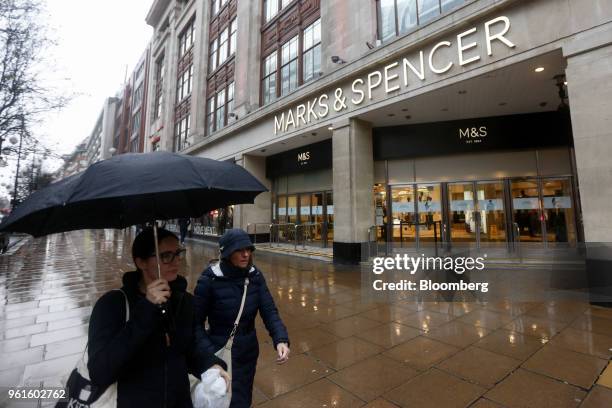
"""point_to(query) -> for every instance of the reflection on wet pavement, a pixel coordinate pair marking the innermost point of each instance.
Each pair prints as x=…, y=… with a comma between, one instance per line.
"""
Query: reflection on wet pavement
x=345, y=352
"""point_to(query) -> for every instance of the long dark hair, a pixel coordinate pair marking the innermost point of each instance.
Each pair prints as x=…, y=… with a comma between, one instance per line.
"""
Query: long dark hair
x=144, y=243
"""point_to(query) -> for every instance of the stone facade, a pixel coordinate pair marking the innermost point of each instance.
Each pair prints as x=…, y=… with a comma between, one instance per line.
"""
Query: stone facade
x=475, y=40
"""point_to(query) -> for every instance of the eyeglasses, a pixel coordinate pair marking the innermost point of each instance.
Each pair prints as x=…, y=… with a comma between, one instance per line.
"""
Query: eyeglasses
x=169, y=256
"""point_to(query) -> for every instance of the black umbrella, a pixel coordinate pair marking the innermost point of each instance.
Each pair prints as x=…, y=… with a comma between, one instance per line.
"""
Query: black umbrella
x=133, y=189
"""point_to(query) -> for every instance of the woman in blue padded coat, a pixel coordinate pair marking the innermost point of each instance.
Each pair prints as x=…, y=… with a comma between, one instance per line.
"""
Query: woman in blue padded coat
x=217, y=297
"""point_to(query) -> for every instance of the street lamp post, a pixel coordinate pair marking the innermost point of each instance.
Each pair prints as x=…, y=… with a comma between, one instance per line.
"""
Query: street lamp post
x=17, y=171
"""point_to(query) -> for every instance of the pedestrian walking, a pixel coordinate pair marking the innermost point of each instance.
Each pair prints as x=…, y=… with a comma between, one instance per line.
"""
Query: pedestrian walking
x=4, y=242
x=150, y=355
x=218, y=296
x=183, y=224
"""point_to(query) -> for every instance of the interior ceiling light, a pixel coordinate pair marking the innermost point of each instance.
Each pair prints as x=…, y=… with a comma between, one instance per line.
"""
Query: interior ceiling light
x=539, y=69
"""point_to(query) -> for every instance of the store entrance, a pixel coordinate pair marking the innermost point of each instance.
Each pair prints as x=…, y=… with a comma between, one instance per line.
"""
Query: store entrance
x=416, y=211
x=479, y=213
x=312, y=213
x=543, y=210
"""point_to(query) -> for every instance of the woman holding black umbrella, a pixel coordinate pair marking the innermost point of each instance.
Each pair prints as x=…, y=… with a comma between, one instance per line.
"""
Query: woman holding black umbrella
x=231, y=288
x=150, y=355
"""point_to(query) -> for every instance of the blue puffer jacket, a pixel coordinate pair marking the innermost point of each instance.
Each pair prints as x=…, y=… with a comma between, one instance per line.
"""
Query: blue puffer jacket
x=217, y=297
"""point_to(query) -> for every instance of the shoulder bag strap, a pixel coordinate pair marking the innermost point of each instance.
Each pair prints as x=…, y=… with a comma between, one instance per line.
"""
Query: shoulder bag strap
x=127, y=305
x=230, y=341
x=127, y=317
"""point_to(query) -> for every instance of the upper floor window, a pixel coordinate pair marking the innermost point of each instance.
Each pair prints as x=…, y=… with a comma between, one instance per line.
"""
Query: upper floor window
x=298, y=60
x=139, y=70
x=159, y=85
x=311, y=50
x=397, y=17
x=233, y=35
x=181, y=130
x=137, y=99
x=136, y=123
x=272, y=7
x=223, y=46
x=218, y=5
x=186, y=38
x=220, y=105
x=289, y=66
x=184, y=84
x=135, y=145
x=269, y=78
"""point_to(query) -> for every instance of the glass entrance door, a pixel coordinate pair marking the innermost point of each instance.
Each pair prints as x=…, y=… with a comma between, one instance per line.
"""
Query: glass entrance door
x=476, y=212
x=329, y=213
x=462, y=218
x=317, y=218
x=558, y=210
x=281, y=204
x=526, y=212
x=429, y=207
x=491, y=211
x=403, y=214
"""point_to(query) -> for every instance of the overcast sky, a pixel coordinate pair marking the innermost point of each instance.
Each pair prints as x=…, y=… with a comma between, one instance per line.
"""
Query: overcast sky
x=96, y=40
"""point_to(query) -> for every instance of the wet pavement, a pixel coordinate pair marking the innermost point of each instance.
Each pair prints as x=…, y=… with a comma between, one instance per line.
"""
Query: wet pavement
x=345, y=352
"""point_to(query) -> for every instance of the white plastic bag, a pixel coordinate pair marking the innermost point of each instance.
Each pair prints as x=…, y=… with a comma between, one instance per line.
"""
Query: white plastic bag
x=211, y=391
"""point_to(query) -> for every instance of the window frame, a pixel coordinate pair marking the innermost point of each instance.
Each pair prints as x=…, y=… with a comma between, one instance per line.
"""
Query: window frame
x=274, y=72
x=298, y=32
x=217, y=6
x=160, y=73
x=311, y=49
x=213, y=109
x=280, y=6
x=216, y=46
x=441, y=12
x=287, y=46
x=186, y=38
x=182, y=126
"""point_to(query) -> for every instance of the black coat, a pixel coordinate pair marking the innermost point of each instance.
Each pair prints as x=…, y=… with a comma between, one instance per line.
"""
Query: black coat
x=217, y=297
x=136, y=356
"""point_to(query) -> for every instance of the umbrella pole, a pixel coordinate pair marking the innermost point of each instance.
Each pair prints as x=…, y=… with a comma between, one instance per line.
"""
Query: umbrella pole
x=156, y=249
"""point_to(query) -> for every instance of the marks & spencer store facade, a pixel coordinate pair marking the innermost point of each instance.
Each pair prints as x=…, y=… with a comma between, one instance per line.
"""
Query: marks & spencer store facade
x=491, y=124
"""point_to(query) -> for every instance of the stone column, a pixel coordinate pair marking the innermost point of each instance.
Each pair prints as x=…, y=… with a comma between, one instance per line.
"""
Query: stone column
x=248, y=51
x=200, y=70
x=260, y=211
x=169, y=85
x=589, y=75
x=353, y=167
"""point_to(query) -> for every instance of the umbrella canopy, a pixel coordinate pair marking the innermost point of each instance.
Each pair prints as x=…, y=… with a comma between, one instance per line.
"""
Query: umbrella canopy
x=133, y=189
